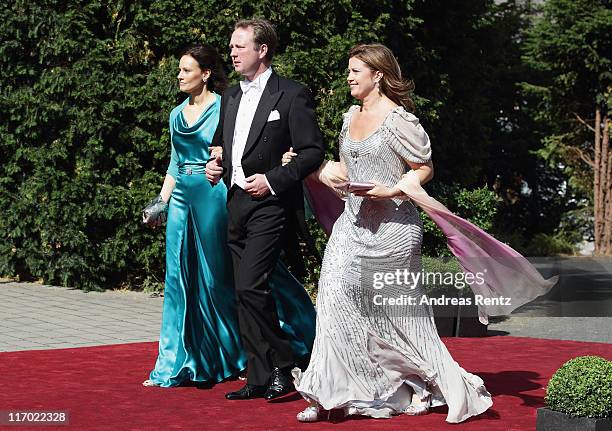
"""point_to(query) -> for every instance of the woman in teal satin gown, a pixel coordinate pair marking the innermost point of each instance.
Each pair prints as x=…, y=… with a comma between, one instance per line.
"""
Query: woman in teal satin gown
x=200, y=339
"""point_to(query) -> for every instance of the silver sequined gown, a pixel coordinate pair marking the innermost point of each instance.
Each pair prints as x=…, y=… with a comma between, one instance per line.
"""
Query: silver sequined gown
x=369, y=359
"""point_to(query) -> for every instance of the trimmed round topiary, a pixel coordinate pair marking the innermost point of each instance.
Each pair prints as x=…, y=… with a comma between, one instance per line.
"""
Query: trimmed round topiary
x=582, y=387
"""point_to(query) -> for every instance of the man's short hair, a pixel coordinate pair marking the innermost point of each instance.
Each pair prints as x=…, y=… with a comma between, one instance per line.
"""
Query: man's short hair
x=264, y=34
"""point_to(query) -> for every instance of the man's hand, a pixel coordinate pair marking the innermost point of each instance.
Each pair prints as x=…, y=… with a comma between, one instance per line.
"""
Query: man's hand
x=256, y=186
x=214, y=170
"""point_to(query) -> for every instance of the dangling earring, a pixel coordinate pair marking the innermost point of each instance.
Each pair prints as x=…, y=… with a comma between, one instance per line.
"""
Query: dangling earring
x=377, y=85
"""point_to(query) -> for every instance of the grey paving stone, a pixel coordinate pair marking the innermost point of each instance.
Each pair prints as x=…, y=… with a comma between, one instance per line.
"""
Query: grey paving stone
x=23, y=320
x=24, y=343
x=136, y=340
x=70, y=340
x=34, y=317
x=10, y=324
x=593, y=329
x=42, y=325
x=57, y=321
x=102, y=338
x=52, y=317
x=12, y=348
x=32, y=336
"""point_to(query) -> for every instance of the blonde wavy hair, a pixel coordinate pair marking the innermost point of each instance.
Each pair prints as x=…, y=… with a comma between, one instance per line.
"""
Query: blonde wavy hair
x=380, y=58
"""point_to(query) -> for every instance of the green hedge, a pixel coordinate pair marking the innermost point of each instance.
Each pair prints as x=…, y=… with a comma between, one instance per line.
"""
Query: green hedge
x=480, y=206
x=86, y=88
x=582, y=387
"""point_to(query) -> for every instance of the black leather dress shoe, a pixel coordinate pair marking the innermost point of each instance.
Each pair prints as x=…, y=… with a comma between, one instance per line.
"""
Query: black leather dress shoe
x=281, y=383
x=247, y=392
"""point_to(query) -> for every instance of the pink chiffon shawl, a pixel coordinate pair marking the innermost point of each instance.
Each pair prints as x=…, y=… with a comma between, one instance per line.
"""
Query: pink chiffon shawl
x=507, y=279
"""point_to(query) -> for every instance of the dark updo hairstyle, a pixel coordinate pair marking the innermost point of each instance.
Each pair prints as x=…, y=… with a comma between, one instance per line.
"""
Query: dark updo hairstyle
x=208, y=59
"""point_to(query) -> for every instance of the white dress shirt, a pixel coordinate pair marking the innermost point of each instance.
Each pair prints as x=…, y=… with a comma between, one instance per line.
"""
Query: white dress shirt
x=251, y=95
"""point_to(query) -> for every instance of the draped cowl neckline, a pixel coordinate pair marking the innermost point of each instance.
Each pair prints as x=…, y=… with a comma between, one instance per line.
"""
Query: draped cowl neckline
x=190, y=143
x=180, y=124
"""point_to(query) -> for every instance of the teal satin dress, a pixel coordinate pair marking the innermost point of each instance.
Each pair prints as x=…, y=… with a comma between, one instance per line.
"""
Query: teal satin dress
x=199, y=339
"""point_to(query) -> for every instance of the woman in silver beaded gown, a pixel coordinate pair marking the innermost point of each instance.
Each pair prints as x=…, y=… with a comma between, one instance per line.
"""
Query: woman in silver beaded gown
x=370, y=358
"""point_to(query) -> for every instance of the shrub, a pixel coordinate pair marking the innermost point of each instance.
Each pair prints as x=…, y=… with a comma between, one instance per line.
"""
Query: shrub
x=549, y=245
x=479, y=206
x=582, y=387
x=86, y=88
x=439, y=265
x=85, y=92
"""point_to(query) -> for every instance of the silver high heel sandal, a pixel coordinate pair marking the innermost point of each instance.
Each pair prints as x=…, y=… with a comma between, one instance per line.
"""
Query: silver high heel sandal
x=148, y=383
x=418, y=409
x=312, y=414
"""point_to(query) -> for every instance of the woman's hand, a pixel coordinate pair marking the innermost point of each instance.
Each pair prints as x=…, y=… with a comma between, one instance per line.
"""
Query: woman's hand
x=155, y=213
x=288, y=156
x=153, y=224
x=379, y=192
x=216, y=151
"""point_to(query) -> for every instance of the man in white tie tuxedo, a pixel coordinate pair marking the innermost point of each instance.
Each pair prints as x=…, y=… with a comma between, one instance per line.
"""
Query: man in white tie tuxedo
x=260, y=120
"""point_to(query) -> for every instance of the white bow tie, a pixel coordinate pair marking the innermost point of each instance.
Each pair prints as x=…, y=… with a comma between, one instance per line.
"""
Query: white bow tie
x=248, y=85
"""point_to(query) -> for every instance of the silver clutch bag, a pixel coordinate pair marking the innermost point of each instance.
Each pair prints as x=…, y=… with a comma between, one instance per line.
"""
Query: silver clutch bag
x=156, y=209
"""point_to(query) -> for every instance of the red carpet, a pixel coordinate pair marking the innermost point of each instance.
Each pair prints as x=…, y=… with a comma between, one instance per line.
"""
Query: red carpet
x=100, y=387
